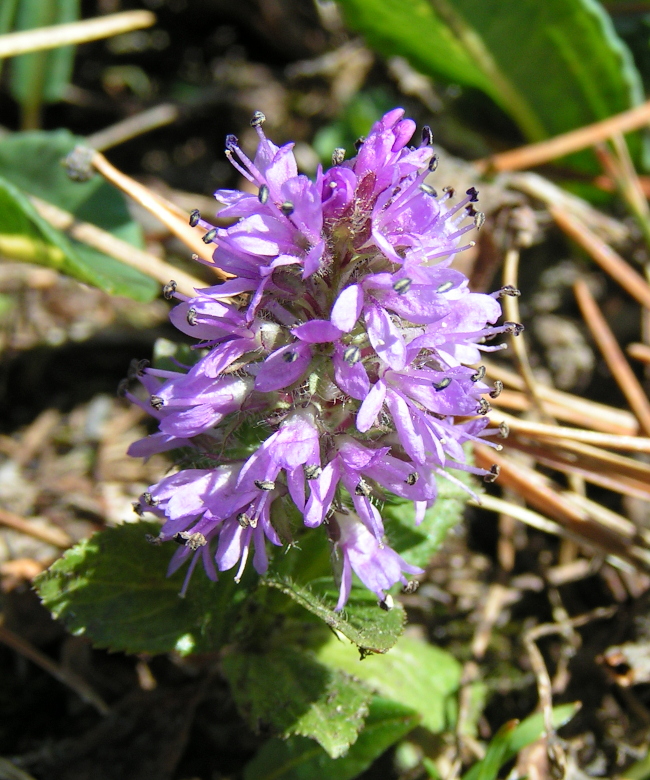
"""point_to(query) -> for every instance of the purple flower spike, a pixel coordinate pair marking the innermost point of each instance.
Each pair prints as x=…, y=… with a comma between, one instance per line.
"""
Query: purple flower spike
x=345, y=336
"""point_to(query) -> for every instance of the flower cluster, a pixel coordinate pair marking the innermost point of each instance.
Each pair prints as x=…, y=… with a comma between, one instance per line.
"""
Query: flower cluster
x=345, y=337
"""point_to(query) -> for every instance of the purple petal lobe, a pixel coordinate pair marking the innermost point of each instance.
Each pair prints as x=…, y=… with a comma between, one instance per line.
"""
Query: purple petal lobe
x=347, y=308
x=283, y=367
x=317, y=332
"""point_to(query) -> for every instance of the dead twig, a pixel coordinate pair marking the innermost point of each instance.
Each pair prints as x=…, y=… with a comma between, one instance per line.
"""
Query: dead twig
x=613, y=355
x=50, y=534
x=133, y=126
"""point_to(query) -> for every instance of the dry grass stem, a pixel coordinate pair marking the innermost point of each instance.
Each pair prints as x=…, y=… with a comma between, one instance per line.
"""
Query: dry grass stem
x=168, y=213
x=567, y=143
x=133, y=126
x=609, y=260
x=50, y=534
x=76, y=684
x=145, y=262
x=639, y=352
x=13, y=44
x=613, y=354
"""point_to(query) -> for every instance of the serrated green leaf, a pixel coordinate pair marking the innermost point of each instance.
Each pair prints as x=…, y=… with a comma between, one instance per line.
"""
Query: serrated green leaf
x=113, y=588
x=415, y=673
x=31, y=162
x=295, y=694
x=362, y=621
x=501, y=47
x=511, y=738
x=417, y=544
x=299, y=758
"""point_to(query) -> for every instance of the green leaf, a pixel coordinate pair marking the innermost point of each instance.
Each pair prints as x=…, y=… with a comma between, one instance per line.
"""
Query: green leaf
x=299, y=758
x=512, y=738
x=295, y=694
x=501, y=48
x=43, y=76
x=113, y=588
x=32, y=163
x=415, y=673
x=362, y=621
x=417, y=544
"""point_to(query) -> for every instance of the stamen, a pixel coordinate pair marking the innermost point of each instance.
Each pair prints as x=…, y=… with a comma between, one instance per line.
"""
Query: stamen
x=449, y=191
x=403, y=285
x=338, y=155
x=473, y=194
x=149, y=499
x=479, y=375
x=122, y=387
x=352, y=355
x=191, y=316
x=359, y=142
x=287, y=208
x=513, y=327
x=498, y=387
x=257, y=119
x=169, y=289
x=412, y=478
x=504, y=430
x=265, y=484
x=428, y=190
x=411, y=587
x=195, y=216
x=442, y=384
x=445, y=287
x=232, y=142
x=243, y=519
x=191, y=540
x=509, y=289
x=290, y=357
x=479, y=220
x=427, y=136
x=313, y=472
x=483, y=407
x=494, y=473
x=263, y=194
x=387, y=604
x=209, y=237
x=137, y=508
x=363, y=488
x=433, y=163
x=157, y=402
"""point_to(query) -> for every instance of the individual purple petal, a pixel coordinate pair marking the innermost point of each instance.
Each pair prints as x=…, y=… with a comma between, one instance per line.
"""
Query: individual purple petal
x=317, y=332
x=312, y=261
x=283, y=367
x=351, y=378
x=371, y=407
x=347, y=308
x=385, y=337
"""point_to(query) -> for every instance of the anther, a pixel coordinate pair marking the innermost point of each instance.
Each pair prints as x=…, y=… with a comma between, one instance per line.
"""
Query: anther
x=191, y=316
x=122, y=387
x=209, y=237
x=402, y=285
x=137, y=367
x=473, y=194
x=265, y=484
x=433, y=163
x=313, y=472
x=509, y=289
x=445, y=287
x=483, y=407
x=263, y=194
x=169, y=289
x=231, y=143
x=479, y=220
x=156, y=541
x=290, y=357
x=498, y=387
x=149, y=500
x=427, y=189
x=479, y=375
x=193, y=541
x=243, y=519
x=412, y=478
x=137, y=508
x=442, y=384
x=470, y=210
x=411, y=586
x=359, y=142
x=494, y=473
x=514, y=327
x=504, y=430
x=157, y=402
x=362, y=488
x=387, y=604
x=427, y=136
x=352, y=355
x=338, y=155
x=258, y=119
x=287, y=208
x=449, y=191
x=195, y=216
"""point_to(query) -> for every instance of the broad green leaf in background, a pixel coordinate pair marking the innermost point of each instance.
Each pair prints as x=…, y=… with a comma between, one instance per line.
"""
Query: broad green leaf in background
x=362, y=621
x=113, y=589
x=295, y=694
x=552, y=65
x=511, y=738
x=416, y=544
x=42, y=77
x=299, y=758
x=415, y=673
x=31, y=162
